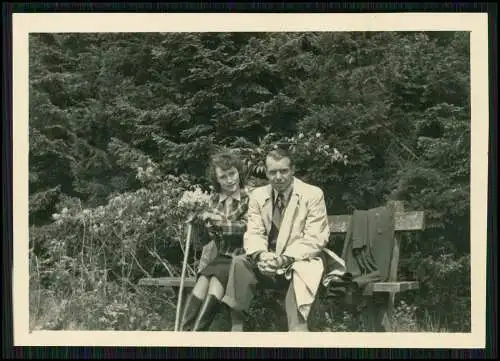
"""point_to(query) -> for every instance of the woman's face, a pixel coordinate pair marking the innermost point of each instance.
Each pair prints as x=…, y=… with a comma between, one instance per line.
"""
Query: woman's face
x=228, y=179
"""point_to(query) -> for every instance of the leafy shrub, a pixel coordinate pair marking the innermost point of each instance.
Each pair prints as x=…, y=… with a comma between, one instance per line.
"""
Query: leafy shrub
x=92, y=258
x=443, y=299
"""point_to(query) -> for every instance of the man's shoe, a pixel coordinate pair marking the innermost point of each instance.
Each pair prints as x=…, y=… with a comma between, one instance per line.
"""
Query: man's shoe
x=301, y=327
x=237, y=320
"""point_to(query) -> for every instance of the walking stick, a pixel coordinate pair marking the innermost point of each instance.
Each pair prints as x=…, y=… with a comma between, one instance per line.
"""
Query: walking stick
x=183, y=274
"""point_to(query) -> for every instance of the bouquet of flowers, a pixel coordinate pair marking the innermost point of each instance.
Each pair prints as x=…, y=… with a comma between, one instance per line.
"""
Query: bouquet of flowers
x=193, y=203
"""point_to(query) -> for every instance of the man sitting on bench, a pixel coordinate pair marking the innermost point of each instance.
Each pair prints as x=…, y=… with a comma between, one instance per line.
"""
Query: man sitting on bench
x=287, y=230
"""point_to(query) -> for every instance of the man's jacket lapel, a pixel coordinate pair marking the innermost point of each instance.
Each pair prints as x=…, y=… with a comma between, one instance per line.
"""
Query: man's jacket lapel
x=267, y=209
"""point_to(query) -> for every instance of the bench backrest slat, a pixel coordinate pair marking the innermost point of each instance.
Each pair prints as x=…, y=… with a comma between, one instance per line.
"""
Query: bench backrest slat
x=404, y=221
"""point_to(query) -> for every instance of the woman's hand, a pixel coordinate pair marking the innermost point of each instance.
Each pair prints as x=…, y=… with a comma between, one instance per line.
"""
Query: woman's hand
x=210, y=216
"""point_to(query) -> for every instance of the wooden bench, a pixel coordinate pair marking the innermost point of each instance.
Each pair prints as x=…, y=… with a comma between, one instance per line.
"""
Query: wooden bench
x=378, y=315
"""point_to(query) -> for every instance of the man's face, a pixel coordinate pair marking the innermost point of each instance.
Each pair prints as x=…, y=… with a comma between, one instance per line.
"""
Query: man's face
x=228, y=179
x=279, y=173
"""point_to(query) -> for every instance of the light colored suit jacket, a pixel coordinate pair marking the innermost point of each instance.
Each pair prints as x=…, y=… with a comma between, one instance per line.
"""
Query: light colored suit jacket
x=303, y=235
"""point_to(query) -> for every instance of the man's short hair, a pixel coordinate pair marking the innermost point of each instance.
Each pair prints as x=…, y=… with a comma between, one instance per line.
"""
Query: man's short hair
x=280, y=153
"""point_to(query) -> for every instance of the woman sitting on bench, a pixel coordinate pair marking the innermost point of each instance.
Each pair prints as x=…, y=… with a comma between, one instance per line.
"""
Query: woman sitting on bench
x=224, y=226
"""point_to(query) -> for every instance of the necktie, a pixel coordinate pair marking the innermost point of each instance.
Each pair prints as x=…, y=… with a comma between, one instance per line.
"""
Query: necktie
x=228, y=206
x=276, y=221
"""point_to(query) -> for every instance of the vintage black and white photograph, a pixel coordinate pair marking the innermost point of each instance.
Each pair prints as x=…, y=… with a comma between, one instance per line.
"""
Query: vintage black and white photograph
x=247, y=181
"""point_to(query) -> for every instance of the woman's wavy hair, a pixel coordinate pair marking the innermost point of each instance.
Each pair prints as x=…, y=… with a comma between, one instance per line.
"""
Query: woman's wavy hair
x=225, y=160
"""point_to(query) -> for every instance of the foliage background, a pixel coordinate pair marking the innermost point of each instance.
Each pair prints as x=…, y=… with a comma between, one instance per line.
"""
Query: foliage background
x=121, y=124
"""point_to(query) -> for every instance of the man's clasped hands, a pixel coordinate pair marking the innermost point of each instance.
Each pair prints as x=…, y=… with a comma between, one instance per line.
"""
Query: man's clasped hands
x=270, y=264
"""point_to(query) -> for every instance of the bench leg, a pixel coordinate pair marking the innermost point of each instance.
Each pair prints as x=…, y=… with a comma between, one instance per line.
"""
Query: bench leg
x=185, y=293
x=377, y=314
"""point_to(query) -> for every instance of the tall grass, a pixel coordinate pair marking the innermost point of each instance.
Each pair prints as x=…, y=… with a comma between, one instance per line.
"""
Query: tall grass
x=108, y=306
x=101, y=305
